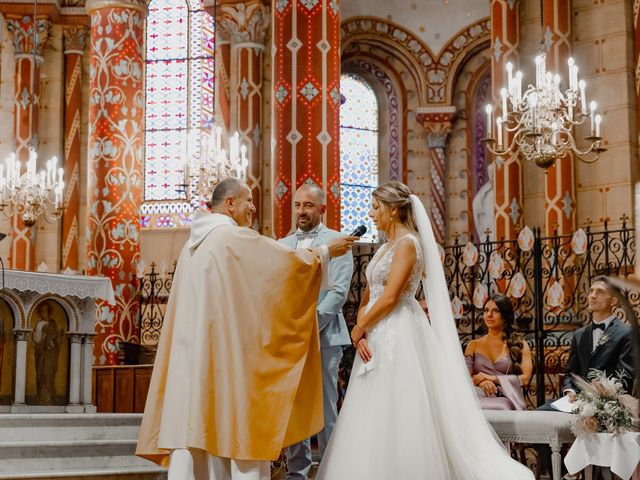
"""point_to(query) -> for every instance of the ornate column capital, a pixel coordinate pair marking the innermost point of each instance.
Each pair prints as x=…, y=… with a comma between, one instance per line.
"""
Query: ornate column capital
x=75, y=337
x=21, y=29
x=21, y=335
x=87, y=338
x=74, y=38
x=245, y=22
x=437, y=121
x=140, y=5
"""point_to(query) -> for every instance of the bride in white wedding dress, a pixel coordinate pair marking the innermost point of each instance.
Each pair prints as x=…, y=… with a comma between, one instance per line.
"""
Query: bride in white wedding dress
x=410, y=411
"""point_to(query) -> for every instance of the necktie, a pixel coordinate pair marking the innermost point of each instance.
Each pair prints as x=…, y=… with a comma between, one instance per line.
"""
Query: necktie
x=598, y=326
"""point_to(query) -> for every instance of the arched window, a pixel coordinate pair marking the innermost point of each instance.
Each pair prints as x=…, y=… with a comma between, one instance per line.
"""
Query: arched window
x=179, y=104
x=358, y=152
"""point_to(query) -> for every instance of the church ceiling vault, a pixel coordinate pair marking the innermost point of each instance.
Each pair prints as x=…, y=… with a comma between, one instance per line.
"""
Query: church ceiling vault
x=438, y=70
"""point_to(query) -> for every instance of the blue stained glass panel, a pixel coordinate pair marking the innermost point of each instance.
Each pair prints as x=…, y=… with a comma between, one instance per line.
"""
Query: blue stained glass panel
x=358, y=153
x=180, y=44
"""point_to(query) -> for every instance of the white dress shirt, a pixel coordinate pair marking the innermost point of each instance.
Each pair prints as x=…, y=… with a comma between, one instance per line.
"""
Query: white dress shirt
x=598, y=333
x=305, y=239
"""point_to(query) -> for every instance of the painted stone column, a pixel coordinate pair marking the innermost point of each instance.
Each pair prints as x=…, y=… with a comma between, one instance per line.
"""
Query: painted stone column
x=505, y=38
x=74, y=368
x=305, y=146
x=21, y=337
x=115, y=156
x=560, y=180
x=86, y=373
x=74, y=38
x=437, y=121
x=244, y=25
x=25, y=117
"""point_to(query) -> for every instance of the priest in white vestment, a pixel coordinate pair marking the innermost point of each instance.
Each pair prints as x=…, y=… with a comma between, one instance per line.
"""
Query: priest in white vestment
x=237, y=374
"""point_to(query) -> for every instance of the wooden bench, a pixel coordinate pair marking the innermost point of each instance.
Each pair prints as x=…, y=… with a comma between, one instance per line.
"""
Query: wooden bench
x=532, y=426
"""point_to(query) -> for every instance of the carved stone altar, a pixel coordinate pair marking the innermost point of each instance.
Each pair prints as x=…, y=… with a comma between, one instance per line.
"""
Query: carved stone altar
x=38, y=342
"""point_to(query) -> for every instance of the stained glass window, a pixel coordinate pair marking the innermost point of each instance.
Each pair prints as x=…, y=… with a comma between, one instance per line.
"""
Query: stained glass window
x=179, y=103
x=358, y=152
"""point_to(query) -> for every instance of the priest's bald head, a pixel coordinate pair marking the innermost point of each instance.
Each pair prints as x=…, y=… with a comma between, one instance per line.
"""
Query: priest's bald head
x=232, y=197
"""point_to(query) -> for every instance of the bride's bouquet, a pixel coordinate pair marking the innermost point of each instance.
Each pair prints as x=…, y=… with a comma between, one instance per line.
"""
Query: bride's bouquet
x=602, y=405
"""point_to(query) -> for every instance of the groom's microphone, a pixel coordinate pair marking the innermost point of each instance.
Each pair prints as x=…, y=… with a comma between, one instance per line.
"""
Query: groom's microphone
x=359, y=231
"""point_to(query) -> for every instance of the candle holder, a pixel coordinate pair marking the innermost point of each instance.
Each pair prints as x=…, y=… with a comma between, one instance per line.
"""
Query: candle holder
x=205, y=169
x=539, y=124
x=31, y=194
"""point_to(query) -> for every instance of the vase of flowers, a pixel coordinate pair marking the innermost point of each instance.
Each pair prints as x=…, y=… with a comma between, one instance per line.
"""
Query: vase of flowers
x=603, y=406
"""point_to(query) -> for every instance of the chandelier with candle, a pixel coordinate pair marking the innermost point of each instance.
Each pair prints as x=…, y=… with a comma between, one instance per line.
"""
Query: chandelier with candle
x=28, y=193
x=31, y=194
x=539, y=123
x=207, y=164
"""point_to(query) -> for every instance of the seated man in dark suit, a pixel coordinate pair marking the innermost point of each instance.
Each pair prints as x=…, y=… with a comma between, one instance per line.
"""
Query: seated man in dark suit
x=604, y=344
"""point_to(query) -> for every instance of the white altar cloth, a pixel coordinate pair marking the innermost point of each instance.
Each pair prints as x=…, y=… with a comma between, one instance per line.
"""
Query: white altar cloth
x=80, y=286
x=619, y=452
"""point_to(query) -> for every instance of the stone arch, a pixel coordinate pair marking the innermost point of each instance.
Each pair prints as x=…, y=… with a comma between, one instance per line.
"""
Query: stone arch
x=463, y=47
x=391, y=39
x=461, y=154
x=73, y=316
x=16, y=307
x=390, y=101
x=385, y=59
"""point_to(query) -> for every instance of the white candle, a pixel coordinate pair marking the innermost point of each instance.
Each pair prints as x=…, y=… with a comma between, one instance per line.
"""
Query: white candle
x=556, y=88
x=31, y=166
x=538, y=76
x=519, y=86
x=571, y=64
x=583, y=97
x=592, y=106
x=598, y=122
x=218, y=138
x=499, y=128
x=48, y=178
x=234, y=144
x=244, y=162
x=489, y=109
x=533, y=103
x=510, y=77
x=60, y=176
x=503, y=94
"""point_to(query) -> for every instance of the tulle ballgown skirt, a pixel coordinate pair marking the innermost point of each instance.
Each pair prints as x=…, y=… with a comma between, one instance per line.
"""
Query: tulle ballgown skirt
x=392, y=424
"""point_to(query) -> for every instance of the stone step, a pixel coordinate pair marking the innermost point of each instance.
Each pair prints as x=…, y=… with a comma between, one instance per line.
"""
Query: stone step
x=104, y=474
x=74, y=446
x=51, y=427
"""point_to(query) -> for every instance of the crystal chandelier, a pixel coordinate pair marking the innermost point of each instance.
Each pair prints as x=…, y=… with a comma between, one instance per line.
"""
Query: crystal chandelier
x=207, y=164
x=539, y=123
x=31, y=194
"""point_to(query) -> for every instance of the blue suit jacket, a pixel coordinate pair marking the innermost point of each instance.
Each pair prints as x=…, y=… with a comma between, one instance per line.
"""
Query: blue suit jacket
x=333, y=328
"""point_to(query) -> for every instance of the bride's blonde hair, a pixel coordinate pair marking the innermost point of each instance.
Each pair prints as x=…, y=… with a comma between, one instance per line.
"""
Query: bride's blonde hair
x=397, y=195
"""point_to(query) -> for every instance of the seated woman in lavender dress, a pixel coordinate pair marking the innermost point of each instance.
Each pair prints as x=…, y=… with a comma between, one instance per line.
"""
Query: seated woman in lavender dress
x=500, y=361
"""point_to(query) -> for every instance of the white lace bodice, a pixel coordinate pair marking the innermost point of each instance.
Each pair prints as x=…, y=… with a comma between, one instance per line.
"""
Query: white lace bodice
x=378, y=269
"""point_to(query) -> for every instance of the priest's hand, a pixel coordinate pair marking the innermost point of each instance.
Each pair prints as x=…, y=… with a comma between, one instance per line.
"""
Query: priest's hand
x=340, y=246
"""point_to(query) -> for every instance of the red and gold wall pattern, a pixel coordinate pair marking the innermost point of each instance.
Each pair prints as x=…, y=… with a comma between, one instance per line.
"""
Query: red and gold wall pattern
x=116, y=146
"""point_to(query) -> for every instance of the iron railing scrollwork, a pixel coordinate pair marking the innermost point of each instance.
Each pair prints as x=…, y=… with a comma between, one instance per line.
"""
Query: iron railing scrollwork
x=547, y=278
x=153, y=294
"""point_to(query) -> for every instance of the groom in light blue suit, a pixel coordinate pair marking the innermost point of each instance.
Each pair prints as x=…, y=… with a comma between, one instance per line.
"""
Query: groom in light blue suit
x=309, y=204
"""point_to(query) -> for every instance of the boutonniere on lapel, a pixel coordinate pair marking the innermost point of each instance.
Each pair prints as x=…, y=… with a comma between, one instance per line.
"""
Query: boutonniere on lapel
x=602, y=340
